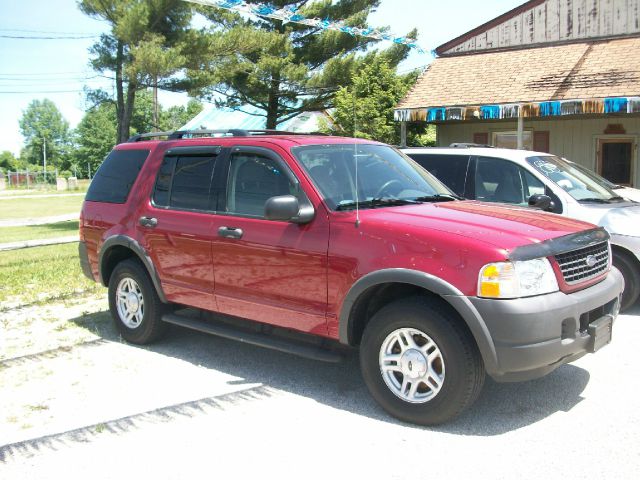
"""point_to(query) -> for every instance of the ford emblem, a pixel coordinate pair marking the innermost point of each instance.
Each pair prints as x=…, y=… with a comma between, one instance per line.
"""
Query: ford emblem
x=591, y=261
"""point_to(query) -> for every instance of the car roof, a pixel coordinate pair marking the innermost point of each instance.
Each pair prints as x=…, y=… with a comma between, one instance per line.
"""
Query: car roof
x=507, y=153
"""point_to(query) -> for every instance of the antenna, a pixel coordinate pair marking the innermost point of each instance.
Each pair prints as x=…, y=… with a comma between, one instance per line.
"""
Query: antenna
x=355, y=154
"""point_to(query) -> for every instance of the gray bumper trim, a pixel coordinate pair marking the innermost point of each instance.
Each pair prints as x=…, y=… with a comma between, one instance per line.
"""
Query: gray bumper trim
x=533, y=336
x=84, y=261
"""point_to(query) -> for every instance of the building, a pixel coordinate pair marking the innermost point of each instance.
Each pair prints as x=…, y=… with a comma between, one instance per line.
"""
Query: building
x=559, y=76
x=252, y=118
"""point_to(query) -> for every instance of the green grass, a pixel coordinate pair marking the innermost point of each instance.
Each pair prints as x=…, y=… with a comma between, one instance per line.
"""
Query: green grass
x=40, y=273
x=38, y=232
x=17, y=208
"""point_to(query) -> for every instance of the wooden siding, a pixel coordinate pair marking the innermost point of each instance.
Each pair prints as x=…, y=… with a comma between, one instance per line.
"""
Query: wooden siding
x=575, y=139
x=556, y=21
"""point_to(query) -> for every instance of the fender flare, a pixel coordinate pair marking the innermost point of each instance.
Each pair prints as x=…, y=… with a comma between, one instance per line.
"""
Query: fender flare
x=140, y=252
x=443, y=289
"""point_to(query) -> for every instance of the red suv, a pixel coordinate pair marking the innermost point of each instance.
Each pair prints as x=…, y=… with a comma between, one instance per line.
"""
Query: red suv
x=304, y=243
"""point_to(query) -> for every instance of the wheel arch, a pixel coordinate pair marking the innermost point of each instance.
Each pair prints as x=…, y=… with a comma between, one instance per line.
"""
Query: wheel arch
x=120, y=247
x=380, y=285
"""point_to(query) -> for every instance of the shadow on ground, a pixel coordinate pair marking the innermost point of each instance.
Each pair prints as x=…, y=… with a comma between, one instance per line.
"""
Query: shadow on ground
x=500, y=408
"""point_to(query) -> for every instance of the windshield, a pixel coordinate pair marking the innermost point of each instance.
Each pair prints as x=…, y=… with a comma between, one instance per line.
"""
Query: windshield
x=580, y=186
x=595, y=176
x=385, y=177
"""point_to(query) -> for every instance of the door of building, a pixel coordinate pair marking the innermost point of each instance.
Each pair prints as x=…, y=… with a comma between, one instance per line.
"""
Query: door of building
x=615, y=160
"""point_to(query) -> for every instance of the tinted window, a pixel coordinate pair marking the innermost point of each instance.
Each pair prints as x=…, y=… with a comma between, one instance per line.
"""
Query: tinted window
x=191, y=183
x=449, y=169
x=163, y=182
x=253, y=179
x=498, y=180
x=116, y=176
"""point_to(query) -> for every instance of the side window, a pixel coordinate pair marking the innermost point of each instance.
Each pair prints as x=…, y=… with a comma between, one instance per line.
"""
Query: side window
x=184, y=183
x=498, y=180
x=116, y=176
x=532, y=186
x=253, y=179
x=449, y=169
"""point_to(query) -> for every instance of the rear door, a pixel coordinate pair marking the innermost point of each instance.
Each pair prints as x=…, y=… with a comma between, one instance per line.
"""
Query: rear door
x=452, y=170
x=270, y=271
x=177, y=224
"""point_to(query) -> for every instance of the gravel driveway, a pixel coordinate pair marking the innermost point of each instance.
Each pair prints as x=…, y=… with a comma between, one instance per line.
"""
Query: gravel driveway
x=194, y=406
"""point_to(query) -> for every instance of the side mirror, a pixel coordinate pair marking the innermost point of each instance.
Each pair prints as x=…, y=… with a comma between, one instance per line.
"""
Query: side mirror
x=543, y=202
x=287, y=208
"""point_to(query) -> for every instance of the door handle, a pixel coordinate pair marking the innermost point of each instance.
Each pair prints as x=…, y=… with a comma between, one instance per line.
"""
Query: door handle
x=149, y=222
x=230, y=232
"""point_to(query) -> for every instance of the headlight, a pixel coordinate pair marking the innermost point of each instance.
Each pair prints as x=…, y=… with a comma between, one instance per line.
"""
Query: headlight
x=517, y=279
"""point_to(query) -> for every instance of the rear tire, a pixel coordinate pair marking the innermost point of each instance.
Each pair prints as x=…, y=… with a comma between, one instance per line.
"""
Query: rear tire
x=629, y=269
x=419, y=364
x=135, y=306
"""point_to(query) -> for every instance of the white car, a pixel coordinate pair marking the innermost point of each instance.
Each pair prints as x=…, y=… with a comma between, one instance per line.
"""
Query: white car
x=548, y=182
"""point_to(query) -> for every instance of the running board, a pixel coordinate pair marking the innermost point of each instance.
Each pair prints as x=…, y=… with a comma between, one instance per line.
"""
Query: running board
x=254, y=338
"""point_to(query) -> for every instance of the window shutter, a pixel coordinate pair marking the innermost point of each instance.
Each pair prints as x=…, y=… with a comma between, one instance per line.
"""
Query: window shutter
x=481, y=138
x=541, y=141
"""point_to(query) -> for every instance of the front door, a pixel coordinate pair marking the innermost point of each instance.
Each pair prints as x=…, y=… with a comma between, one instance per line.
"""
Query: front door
x=271, y=271
x=615, y=160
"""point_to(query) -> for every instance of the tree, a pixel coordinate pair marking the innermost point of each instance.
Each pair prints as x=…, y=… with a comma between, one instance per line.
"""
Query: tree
x=282, y=69
x=44, y=128
x=8, y=161
x=141, y=48
x=96, y=134
x=95, y=137
x=365, y=108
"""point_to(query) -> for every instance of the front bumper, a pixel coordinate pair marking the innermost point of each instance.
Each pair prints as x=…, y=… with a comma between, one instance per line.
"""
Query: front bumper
x=533, y=336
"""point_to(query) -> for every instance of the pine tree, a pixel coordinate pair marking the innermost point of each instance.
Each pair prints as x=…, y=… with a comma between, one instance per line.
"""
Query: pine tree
x=142, y=48
x=281, y=69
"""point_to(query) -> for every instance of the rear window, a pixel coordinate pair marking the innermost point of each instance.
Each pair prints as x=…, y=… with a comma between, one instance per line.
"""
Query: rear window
x=115, y=177
x=449, y=169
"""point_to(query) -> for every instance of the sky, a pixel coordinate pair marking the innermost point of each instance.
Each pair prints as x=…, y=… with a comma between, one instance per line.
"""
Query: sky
x=33, y=69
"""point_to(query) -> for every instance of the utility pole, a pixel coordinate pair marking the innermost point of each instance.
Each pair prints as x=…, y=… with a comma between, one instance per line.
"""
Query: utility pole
x=155, y=104
x=44, y=155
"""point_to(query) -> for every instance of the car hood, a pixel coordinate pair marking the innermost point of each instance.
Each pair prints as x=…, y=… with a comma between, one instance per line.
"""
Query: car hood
x=503, y=226
x=617, y=218
x=629, y=193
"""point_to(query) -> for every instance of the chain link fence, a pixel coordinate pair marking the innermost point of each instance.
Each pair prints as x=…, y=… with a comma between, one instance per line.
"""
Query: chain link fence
x=30, y=179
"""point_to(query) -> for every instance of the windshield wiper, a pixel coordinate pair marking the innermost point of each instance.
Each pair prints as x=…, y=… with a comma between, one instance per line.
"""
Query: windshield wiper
x=376, y=202
x=596, y=200
x=438, y=197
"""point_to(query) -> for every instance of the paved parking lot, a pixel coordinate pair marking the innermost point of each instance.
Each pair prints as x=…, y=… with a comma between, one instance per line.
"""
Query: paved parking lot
x=199, y=406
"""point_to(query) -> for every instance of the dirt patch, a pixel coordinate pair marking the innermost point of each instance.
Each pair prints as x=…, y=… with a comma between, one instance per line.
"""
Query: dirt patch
x=38, y=328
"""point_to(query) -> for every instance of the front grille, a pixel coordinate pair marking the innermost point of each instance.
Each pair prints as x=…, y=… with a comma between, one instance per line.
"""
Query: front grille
x=574, y=264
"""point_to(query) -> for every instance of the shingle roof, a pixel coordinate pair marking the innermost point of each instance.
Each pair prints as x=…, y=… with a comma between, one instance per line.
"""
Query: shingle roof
x=572, y=71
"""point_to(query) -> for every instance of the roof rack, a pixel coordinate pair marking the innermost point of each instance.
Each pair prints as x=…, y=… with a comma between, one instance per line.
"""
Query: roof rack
x=231, y=132
x=470, y=145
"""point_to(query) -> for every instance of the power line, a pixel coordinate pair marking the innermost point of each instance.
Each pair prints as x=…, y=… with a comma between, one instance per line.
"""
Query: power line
x=24, y=37
x=44, y=81
x=39, y=73
x=42, y=92
x=43, y=31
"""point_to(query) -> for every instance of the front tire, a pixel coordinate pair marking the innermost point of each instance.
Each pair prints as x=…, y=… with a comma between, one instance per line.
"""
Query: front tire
x=135, y=306
x=629, y=269
x=418, y=363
